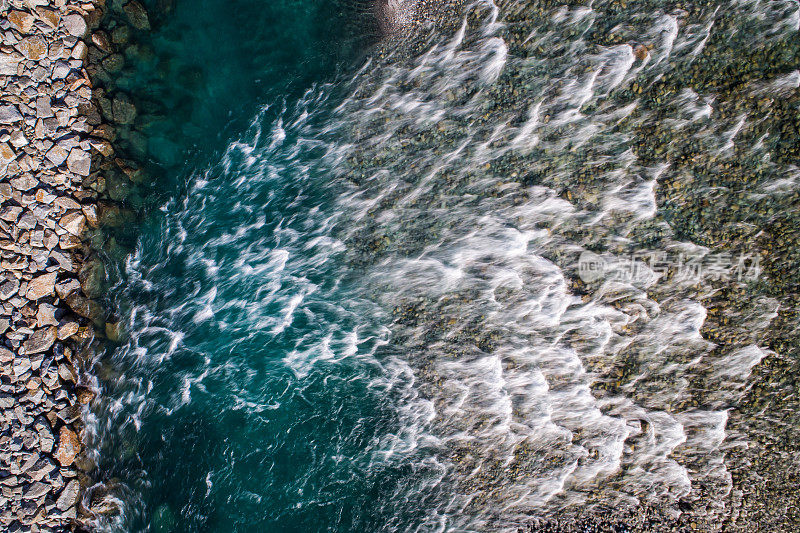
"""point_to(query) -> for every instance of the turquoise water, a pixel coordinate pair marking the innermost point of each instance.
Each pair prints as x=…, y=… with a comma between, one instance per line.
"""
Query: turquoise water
x=250, y=395
x=354, y=300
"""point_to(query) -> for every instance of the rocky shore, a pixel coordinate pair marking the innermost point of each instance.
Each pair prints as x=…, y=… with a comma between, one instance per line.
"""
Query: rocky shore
x=54, y=150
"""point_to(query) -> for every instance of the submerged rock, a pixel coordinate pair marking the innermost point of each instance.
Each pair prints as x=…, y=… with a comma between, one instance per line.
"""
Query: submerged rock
x=137, y=15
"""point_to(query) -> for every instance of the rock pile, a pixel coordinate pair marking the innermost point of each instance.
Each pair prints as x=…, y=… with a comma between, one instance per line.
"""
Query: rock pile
x=53, y=152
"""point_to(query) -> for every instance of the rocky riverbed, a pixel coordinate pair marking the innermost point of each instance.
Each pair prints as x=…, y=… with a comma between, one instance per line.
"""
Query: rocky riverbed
x=55, y=149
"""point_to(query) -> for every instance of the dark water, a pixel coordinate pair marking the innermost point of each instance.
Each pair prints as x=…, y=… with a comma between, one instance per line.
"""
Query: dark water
x=357, y=299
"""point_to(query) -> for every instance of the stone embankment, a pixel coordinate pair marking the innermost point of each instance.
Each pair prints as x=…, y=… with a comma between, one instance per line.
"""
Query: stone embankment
x=54, y=150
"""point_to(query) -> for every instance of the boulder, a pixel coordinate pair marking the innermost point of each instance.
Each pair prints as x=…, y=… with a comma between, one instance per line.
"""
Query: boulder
x=41, y=340
x=21, y=20
x=123, y=110
x=9, y=63
x=74, y=222
x=57, y=155
x=41, y=286
x=137, y=15
x=68, y=496
x=68, y=446
x=33, y=47
x=75, y=25
x=79, y=162
x=9, y=114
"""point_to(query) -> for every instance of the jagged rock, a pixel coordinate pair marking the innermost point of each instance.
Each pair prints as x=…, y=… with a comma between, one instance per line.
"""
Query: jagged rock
x=21, y=365
x=41, y=340
x=36, y=490
x=68, y=496
x=33, y=48
x=74, y=222
x=9, y=289
x=41, y=469
x=46, y=438
x=24, y=183
x=79, y=162
x=91, y=278
x=68, y=446
x=137, y=15
x=21, y=20
x=67, y=329
x=83, y=306
x=43, y=107
x=9, y=62
x=41, y=286
x=57, y=155
x=61, y=70
x=9, y=114
x=84, y=395
x=49, y=16
x=75, y=25
x=7, y=155
x=65, y=288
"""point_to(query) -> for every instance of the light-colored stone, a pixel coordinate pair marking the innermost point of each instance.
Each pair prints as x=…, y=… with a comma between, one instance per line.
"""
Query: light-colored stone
x=49, y=16
x=42, y=286
x=79, y=162
x=46, y=316
x=7, y=155
x=9, y=63
x=57, y=155
x=25, y=182
x=80, y=51
x=9, y=114
x=46, y=437
x=68, y=329
x=68, y=496
x=33, y=47
x=75, y=25
x=36, y=491
x=40, y=341
x=74, y=222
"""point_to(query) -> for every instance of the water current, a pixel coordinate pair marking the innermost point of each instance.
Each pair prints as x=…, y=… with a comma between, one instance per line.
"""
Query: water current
x=450, y=279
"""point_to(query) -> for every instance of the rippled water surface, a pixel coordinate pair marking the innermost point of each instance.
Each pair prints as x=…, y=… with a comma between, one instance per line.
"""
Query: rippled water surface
x=356, y=303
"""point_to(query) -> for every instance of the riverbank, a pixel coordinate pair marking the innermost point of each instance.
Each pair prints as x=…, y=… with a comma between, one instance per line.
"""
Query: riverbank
x=55, y=148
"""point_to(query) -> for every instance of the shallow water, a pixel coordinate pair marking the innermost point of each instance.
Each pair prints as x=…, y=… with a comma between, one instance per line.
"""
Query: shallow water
x=357, y=303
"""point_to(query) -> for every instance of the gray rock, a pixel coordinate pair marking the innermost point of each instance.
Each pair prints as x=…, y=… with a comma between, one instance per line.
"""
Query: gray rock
x=9, y=63
x=40, y=341
x=43, y=108
x=68, y=496
x=57, y=155
x=9, y=289
x=79, y=162
x=46, y=438
x=123, y=110
x=9, y=114
x=75, y=25
x=61, y=70
x=41, y=286
x=37, y=490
